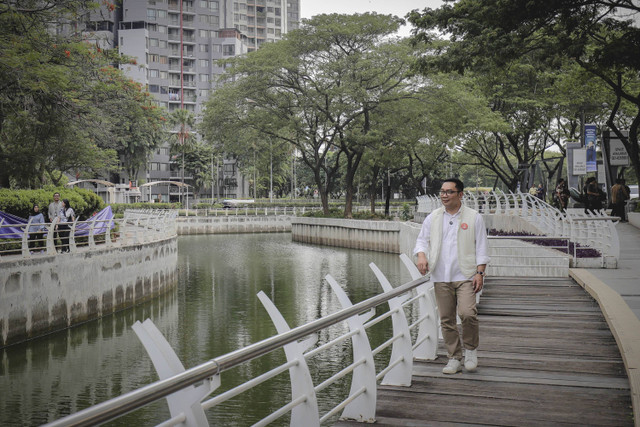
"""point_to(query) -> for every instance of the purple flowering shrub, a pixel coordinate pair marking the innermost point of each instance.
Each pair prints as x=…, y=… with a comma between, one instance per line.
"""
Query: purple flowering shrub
x=557, y=244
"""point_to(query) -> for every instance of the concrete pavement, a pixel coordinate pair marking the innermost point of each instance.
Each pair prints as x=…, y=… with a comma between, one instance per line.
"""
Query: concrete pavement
x=625, y=279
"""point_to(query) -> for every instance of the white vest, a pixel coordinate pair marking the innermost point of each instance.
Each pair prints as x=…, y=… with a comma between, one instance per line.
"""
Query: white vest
x=466, y=239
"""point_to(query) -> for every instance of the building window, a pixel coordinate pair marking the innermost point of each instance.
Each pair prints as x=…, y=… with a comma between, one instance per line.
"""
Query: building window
x=162, y=29
x=203, y=63
x=204, y=77
x=153, y=73
x=154, y=88
x=228, y=50
x=151, y=14
x=203, y=48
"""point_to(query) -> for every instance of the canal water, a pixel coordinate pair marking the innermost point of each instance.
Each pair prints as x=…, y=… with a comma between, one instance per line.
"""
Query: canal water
x=213, y=311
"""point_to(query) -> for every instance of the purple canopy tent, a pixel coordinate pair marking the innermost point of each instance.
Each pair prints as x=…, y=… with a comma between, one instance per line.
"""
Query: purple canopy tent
x=13, y=227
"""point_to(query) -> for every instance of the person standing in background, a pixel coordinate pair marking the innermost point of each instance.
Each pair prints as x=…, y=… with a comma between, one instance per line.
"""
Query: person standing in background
x=36, y=230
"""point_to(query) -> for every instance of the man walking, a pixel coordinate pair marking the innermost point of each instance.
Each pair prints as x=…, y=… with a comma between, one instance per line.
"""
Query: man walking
x=452, y=244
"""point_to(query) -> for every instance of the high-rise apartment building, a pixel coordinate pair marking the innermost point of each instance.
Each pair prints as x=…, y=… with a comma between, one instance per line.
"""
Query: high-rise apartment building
x=177, y=45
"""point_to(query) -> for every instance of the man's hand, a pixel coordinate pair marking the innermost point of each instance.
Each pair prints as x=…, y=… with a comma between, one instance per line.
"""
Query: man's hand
x=478, y=282
x=422, y=264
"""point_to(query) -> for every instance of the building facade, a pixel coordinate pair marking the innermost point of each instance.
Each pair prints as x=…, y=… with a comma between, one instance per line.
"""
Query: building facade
x=178, y=45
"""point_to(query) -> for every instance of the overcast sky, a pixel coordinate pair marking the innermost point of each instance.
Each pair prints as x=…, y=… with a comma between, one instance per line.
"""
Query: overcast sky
x=394, y=7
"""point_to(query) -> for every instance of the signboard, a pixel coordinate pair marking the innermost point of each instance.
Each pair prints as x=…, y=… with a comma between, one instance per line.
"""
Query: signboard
x=618, y=154
x=601, y=175
x=590, y=143
x=579, y=161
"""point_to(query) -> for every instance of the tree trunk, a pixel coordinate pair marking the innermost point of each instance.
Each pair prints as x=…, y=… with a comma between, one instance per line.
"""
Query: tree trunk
x=372, y=188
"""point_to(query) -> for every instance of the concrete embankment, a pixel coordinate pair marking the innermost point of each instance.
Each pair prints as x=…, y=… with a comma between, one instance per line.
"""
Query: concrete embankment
x=46, y=293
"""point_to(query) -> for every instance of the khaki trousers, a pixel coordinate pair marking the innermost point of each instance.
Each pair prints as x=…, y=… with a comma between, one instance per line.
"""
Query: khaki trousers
x=451, y=296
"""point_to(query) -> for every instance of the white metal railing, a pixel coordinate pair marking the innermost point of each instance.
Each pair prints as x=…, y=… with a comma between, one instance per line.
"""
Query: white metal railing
x=185, y=390
x=593, y=230
x=137, y=226
x=271, y=211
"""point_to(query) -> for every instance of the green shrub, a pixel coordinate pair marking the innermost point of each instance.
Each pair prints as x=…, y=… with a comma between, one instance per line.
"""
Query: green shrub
x=20, y=202
x=119, y=208
x=339, y=213
x=406, y=213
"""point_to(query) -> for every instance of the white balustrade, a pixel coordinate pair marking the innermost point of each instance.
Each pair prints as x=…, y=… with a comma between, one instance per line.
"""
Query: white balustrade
x=590, y=230
x=184, y=390
x=137, y=226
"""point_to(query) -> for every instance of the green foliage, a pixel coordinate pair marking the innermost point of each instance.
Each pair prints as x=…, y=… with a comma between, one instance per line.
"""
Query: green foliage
x=339, y=213
x=20, y=202
x=119, y=208
x=407, y=212
x=65, y=106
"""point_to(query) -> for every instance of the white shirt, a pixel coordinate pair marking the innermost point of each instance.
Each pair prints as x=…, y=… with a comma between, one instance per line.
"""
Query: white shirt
x=447, y=268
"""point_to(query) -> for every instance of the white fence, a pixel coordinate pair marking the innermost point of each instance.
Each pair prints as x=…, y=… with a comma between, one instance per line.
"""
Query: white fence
x=137, y=226
x=185, y=390
x=590, y=230
x=275, y=210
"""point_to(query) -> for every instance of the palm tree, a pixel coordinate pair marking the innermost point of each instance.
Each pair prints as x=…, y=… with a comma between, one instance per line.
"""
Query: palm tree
x=182, y=121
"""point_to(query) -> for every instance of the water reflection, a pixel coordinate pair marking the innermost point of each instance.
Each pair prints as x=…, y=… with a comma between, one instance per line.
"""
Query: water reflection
x=213, y=311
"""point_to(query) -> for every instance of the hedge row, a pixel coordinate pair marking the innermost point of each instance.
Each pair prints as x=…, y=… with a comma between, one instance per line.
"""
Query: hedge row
x=119, y=208
x=20, y=202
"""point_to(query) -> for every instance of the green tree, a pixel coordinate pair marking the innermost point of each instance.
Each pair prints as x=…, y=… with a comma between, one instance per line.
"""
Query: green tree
x=315, y=90
x=61, y=109
x=598, y=35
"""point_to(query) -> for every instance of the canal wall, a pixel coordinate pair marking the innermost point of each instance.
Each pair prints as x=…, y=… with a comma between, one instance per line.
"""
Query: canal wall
x=45, y=293
x=233, y=224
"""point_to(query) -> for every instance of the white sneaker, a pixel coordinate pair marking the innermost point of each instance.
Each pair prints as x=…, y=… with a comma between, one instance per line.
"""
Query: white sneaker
x=470, y=360
x=452, y=367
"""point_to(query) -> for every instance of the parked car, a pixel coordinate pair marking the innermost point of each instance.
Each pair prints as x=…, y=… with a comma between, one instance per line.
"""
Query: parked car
x=634, y=191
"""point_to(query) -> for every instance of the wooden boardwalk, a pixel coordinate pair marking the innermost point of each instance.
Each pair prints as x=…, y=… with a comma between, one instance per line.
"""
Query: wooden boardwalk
x=546, y=357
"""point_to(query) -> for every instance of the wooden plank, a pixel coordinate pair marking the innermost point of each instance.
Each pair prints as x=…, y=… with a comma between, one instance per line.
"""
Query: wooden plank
x=546, y=357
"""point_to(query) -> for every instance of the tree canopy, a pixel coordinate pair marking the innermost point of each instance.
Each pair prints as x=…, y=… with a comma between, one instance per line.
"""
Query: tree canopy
x=598, y=35
x=65, y=107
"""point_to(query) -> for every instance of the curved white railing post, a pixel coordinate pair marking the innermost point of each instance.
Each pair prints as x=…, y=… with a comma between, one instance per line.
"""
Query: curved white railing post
x=363, y=408
x=426, y=345
x=402, y=351
x=51, y=244
x=25, y=239
x=306, y=413
x=184, y=405
x=72, y=236
x=90, y=238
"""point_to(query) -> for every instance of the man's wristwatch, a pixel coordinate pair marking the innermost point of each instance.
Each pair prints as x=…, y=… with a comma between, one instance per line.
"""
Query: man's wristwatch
x=480, y=273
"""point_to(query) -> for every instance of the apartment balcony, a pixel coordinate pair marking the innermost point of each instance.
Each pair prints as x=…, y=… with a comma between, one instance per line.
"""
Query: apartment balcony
x=185, y=38
x=176, y=83
x=186, y=69
x=186, y=54
x=189, y=98
x=185, y=8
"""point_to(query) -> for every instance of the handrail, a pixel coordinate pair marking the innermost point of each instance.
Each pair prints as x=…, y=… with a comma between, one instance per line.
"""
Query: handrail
x=132, y=400
x=150, y=225
x=595, y=230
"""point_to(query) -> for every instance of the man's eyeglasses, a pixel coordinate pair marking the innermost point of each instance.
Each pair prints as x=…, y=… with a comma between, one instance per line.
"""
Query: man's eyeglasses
x=448, y=192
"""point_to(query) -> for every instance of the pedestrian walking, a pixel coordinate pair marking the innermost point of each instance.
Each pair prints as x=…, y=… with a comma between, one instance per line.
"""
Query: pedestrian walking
x=452, y=245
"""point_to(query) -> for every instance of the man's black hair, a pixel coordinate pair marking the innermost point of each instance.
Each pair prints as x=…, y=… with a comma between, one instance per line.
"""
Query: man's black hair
x=457, y=182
